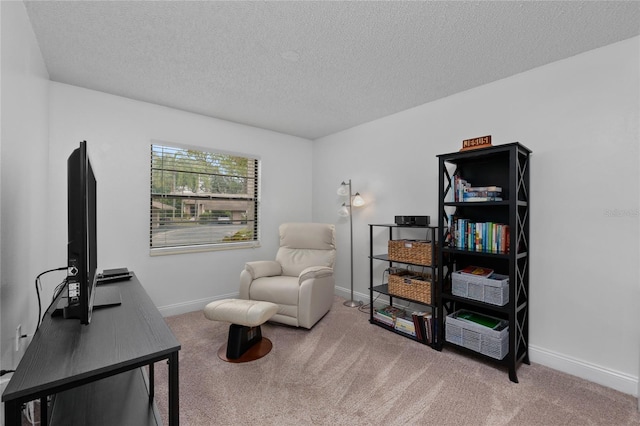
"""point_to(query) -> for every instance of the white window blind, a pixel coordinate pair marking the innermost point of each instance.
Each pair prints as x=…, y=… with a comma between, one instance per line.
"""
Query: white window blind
x=202, y=199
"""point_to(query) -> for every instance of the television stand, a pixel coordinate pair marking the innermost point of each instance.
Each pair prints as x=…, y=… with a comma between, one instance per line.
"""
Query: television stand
x=106, y=296
x=86, y=369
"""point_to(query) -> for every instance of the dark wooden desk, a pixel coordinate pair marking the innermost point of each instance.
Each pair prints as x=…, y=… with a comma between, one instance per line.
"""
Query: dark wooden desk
x=90, y=368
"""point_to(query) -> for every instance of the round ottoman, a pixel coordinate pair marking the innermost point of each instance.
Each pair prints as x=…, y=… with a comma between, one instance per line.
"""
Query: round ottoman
x=245, y=342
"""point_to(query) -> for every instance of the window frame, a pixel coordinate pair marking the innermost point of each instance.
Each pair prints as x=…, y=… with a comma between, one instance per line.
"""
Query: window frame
x=205, y=246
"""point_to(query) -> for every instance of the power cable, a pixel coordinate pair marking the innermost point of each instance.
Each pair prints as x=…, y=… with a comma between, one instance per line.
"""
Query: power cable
x=62, y=268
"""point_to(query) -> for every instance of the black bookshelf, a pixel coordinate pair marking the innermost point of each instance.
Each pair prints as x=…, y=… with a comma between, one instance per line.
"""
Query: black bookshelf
x=428, y=233
x=506, y=166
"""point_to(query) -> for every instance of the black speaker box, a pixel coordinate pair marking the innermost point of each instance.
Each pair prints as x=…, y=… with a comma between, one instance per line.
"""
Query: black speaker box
x=412, y=220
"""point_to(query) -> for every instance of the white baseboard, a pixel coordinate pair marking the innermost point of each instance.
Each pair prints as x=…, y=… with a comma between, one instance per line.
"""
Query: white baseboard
x=346, y=294
x=603, y=376
x=192, y=305
x=379, y=299
x=196, y=305
x=606, y=377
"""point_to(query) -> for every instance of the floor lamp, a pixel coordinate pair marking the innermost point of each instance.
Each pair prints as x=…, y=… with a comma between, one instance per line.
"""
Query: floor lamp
x=356, y=200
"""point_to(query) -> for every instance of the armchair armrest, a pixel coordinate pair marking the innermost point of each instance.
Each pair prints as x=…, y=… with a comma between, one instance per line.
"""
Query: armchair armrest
x=263, y=268
x=314, y=272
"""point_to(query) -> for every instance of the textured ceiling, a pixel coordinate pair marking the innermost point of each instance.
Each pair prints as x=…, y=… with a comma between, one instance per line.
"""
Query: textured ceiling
x=311, y=68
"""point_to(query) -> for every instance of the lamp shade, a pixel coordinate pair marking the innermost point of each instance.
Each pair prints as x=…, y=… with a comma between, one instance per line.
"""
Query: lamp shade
x=344, y=211
x=343, y=189
x=358, y=200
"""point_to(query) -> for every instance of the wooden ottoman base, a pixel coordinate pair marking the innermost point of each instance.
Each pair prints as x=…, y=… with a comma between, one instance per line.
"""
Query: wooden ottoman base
x=255, y=351
x=245, y=342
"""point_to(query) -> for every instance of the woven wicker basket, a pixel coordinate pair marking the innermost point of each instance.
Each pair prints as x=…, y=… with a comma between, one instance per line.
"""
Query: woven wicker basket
x=411, y=285
x=410, y=251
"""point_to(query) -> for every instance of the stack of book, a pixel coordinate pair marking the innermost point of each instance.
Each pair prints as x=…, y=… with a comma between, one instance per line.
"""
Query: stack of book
x=464, y=192
x=482, y=193
x=415, y=324
x=406, y=326
x=477, y=271
x=388, y=315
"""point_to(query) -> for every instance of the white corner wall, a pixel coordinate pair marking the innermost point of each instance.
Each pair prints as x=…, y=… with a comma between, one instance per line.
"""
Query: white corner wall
x=580, y=118
x=119, y=132
x=24, y=160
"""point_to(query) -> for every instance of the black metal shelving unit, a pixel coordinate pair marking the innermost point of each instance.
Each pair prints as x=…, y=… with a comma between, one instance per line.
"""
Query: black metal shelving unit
x=431, y=233
x=506, y=166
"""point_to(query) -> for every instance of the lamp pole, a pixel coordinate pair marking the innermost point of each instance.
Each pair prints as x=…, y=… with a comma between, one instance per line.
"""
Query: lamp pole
x=351, y=303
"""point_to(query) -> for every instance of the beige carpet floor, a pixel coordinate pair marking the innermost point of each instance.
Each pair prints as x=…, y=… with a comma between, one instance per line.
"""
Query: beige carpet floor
x=346, y=371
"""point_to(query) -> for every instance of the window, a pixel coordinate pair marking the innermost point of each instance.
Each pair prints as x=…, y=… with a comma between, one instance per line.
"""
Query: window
x=202, y=200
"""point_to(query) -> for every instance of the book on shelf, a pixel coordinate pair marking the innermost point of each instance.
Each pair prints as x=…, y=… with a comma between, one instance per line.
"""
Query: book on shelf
x=405, y=325
x=478, y=199
x=481, y=194
x=391, y=311
x=405, y=321
x=422, y=325
x=477, y=271
x=480, y=236
x=483, y=320
x=484, y=188
x=459, y=185
x=383, y=319
x=418, y=328
x=388, y=315
x=464, y=192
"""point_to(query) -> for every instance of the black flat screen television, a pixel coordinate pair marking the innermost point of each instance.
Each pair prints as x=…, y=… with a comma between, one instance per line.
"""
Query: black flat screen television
x=82, y=256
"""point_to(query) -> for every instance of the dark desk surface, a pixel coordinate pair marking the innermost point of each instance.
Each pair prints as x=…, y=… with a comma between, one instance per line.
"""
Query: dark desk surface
x=64, y=353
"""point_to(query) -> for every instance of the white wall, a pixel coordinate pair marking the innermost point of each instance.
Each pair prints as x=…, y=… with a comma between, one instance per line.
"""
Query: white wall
x=579, y=116
x=42, y=122
x=24, y=161
x=119, y=132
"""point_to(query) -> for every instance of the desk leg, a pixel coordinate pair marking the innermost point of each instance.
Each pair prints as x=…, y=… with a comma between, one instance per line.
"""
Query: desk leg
x=12, y=413
x=174, y=385
x=44, y=415
x=151, y=383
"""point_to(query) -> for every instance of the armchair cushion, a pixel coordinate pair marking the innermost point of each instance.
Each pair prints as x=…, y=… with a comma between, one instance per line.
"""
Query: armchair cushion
x=305, y=244
x=282, y=290
x=263, y=268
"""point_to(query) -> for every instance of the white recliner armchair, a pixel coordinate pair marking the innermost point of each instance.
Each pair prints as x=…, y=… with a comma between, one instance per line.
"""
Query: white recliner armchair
x=300, y=281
